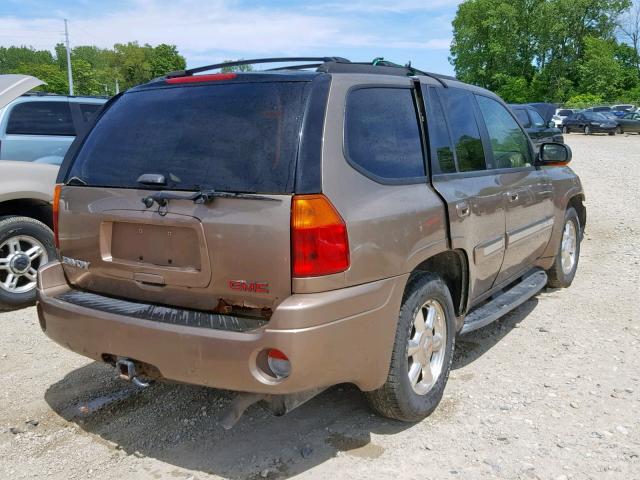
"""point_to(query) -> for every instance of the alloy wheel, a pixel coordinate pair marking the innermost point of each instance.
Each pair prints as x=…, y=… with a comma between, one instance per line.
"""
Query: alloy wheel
x=426, y=347
x=568, y=247
x=20, y=258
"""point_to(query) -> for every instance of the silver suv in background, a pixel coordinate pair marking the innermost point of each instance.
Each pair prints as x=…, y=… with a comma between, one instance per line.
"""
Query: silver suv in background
x=26, y=188
x=40, y=127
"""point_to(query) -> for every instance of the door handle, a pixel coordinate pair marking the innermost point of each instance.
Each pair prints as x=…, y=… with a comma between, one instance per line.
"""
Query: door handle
x=513, y=196
x=462, y=209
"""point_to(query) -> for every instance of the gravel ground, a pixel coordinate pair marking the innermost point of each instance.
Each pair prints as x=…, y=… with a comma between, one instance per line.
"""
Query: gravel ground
x=552, y=391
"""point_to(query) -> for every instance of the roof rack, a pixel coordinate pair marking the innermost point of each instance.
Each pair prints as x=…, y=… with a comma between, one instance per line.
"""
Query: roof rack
x=323, y=64
x=191, y=71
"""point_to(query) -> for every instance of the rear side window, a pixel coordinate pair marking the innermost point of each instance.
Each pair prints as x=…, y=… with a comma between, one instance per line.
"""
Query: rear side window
x=522, y=117
x=464, y=130
x=41, y=118
x=89, y=111
x=441, y=151
x=538, y=121
x=382, y=134
x=237, y=137
x=509, y=144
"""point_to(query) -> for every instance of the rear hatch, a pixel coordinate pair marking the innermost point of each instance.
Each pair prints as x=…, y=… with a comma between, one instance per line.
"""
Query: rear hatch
x=181, y=195
x=14, y=85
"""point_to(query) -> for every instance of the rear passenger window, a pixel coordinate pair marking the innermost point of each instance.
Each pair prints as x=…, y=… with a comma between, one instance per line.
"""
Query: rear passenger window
x=441, y=152
x=89, y=111
x=464, y=130
x=522, y=117
x=382, y=134
x=41, y=118
x=509, y=143
x=538, y=121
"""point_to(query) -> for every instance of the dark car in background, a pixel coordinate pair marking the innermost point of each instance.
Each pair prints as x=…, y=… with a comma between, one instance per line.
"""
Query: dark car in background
x=629, y=123
x=540, y=130
x=589, y=122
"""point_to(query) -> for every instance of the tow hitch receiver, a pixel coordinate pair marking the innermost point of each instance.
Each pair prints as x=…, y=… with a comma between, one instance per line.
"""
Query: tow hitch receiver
x=127, y=370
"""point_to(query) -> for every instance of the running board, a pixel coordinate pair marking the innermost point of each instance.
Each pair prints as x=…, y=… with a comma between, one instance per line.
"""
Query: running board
x=505, y=302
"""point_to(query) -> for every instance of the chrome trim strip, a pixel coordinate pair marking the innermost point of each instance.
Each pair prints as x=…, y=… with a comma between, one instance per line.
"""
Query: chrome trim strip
x=482, y=251
x=493, y=247
x=521, y=234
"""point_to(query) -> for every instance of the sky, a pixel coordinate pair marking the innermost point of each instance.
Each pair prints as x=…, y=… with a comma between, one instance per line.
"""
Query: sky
x=210, y=31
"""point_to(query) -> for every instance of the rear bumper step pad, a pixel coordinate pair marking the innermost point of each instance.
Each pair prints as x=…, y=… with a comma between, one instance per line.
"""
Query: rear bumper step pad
x=158, y=313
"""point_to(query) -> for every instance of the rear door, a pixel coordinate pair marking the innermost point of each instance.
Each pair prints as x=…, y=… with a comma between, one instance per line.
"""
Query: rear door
x=527, y=190
x=474, y=196
x=230, y=253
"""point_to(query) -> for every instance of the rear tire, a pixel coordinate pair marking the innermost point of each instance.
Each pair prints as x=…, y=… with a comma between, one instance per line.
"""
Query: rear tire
x=25, y=245
x=619, y=131
x=565, y=130
x=402, y=398
x=565, y=265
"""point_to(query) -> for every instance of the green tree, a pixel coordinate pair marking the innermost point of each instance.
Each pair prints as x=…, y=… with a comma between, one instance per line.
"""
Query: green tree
x=543, y=42
x=599, y=72
x=164, y=59
x=12, y=57
x=50, y=73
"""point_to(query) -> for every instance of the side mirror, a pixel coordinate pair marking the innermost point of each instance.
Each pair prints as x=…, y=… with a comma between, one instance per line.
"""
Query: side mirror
x=554, y=154
x=551, y=124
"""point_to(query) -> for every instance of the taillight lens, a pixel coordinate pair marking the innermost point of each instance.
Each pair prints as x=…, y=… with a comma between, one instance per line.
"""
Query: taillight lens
x=56, y=213
x=319, y=242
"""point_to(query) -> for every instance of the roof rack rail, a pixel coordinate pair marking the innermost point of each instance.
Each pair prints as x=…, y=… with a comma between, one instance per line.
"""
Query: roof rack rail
x=191, y=71
x=439, y=78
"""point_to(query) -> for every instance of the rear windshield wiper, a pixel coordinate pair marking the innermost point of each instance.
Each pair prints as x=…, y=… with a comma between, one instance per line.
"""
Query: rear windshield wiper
x=201, y=197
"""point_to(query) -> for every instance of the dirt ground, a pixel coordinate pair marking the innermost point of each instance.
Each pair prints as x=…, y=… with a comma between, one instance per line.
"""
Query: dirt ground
x=552, y=391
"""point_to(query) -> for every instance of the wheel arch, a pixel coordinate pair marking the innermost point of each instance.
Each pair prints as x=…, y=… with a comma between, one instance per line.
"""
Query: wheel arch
x=453, y=267
x=28, y=207
x=577, y=202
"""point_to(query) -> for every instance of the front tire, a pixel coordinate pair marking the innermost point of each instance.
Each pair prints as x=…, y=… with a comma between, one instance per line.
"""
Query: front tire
x=619, y=131
x=587, y=130
x=565, y=265
x=565, y=130
x=422, y=352
x=25, y=245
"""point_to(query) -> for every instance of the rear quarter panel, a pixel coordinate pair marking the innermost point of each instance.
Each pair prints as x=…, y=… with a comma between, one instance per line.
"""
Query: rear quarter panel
x=391, y=228
x=27, y=180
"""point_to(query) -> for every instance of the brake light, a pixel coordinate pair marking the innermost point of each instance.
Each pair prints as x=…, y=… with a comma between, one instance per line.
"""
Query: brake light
x=319, y=241
x=56, y=212
x=202, y=78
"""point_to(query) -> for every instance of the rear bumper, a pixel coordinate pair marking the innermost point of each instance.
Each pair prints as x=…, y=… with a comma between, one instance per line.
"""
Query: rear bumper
x=332, y=337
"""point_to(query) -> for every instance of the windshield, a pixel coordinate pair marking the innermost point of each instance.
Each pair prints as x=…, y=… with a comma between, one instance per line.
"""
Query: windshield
x=236, y=137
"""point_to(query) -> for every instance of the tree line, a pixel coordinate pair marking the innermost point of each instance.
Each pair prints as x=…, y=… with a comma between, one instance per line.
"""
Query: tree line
x=571, y=52
x=95, y=70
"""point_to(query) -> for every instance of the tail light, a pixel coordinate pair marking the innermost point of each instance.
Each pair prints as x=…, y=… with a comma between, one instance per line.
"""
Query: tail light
x=319, y=241
x=56, y=213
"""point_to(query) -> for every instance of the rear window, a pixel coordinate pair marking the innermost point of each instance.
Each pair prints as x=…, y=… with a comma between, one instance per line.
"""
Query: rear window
x=565, y=113
x=238, y=137
x=41, y=118
x=89, y=111
x=522, y=117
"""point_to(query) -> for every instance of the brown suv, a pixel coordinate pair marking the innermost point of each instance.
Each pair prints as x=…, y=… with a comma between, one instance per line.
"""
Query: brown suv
x=281, y=231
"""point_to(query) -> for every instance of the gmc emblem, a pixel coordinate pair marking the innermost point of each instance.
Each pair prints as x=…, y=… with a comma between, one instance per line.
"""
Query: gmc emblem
x=244, y=286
